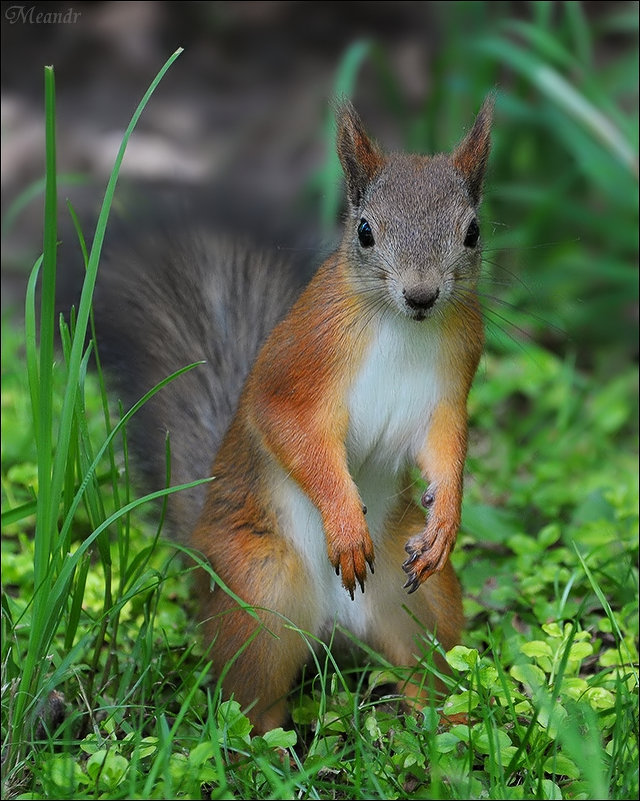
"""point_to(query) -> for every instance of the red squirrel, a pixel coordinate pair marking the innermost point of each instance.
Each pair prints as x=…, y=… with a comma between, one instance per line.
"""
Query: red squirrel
x=312, y=517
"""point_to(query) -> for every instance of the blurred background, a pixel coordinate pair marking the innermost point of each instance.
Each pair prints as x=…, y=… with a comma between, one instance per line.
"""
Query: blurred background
x=240, y=133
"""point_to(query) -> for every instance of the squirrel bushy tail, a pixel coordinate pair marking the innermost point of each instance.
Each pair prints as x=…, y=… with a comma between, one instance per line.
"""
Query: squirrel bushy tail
x=166, y=299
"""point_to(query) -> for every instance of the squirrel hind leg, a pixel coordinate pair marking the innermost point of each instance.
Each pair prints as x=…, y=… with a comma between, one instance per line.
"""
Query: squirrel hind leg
x=262, y=670
x=259, y=652
x=434, y=612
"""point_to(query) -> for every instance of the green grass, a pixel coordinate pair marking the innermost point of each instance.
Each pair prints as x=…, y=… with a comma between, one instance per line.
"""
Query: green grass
x=97, y=617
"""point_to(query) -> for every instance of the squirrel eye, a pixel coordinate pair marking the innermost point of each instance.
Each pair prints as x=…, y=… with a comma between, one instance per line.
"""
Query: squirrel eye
x=365, y=234
x=473, y=234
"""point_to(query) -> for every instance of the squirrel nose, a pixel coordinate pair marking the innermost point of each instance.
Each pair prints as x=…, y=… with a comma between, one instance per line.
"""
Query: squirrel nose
x=420, y=298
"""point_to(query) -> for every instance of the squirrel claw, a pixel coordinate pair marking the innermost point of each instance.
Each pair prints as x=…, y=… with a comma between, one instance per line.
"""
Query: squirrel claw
x=428, y=554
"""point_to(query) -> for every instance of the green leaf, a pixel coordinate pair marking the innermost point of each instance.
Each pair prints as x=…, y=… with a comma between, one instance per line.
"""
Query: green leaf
x=279, y=738
x=600, y=699
x=549, y=535
x=552, y=716
x=488, y=742
x=574, y=687
x=231, y=721
x=580, y=651
x=305, y=711
x=201, y=753
x=147, y=746
x=461, y=702
x=530, y=675
x=462, y=658
x=553, y=630
x=524, y=545
x=488, y=677
x=550, y=790
x=446, y=742
x=538, y=649
x=65, y=774
x=107, y=767
x=560, y=765
x=90, y=744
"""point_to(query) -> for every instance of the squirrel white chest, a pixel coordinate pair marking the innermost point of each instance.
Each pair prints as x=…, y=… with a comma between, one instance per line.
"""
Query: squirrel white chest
x=390, y=404
x=392, y=398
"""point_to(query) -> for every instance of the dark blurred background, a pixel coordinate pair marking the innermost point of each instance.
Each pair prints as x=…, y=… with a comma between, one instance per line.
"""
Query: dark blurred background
x=239, y=132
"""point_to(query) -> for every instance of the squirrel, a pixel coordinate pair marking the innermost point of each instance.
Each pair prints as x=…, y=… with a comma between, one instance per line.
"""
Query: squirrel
x=312, y=413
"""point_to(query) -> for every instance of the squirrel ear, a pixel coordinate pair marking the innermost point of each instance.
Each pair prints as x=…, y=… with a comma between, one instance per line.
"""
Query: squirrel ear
x=472, y=154
x=361, y=158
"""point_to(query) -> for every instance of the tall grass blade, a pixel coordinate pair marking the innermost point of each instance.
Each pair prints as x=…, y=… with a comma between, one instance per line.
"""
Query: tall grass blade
x=331, y=180
x=31, y=346
x=51, y=590
x=576, y=105
x=84, y=307
x=47, y=503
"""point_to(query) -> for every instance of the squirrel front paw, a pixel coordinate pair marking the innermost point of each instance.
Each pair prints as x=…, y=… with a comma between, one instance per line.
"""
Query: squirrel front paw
x=428, y=552
x=350, y=550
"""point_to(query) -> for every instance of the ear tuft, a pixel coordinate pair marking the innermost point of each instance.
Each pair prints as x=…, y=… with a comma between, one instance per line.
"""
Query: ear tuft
x=472, y=154
x=361, y=158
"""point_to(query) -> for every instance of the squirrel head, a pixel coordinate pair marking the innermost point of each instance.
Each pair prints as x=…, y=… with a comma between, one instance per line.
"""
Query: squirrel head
x=412, y=233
